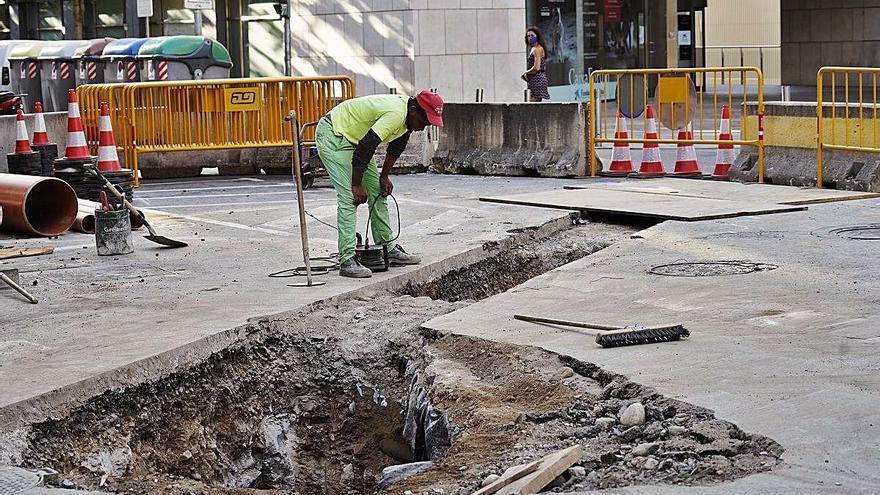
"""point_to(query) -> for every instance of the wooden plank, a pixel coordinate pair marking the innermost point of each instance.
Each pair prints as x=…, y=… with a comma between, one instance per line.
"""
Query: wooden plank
x=9, y=253
x=510, y=475
x=551, y=467
x=629, y=203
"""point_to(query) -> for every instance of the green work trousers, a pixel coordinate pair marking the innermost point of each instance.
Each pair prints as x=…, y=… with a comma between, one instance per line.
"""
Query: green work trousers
x=335, y=153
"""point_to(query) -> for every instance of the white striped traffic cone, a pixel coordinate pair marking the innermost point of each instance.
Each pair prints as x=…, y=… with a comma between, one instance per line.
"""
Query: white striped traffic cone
x=41, y=137
x=22, y=145
x=686, y=159
x=108, y=160
x=724, y=155
x=651, y=165
x=77, y=148
x=621, y=158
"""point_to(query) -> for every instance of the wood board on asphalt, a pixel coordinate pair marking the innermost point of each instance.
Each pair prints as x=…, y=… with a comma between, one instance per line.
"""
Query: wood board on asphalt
x=640, y=204
x=735, y=191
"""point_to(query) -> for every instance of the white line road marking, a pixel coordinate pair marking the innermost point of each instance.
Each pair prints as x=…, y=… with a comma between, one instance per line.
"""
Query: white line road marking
x=251, y=203
x=290, y=186
x=230, y=195
x=196, y=181
x=232, y=225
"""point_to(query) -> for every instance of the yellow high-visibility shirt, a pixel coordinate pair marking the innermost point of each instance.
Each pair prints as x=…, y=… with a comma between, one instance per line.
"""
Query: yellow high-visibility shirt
x=385, y=114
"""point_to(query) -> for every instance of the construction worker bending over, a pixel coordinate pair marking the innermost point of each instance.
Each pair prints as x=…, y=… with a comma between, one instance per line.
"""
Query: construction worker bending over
x=347, y=138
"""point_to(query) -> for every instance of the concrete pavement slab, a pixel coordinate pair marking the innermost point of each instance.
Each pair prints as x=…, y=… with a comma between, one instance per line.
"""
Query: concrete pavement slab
x=641, y=204
x=735, y=191
x=789, y=353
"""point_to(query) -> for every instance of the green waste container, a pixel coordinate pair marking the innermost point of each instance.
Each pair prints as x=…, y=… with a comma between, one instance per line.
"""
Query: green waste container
x=183, y=58
x=58, y=72
x=90, y=62
x=25, y=71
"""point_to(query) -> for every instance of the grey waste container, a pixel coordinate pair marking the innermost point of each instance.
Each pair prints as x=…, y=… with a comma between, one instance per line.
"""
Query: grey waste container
x=120, y=60
x=58, y=72
x=89, y=62
x=5, y=69
x=183, y=58
x=25, y=72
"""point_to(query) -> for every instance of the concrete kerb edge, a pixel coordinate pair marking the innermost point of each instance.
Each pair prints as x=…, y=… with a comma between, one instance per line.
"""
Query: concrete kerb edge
x=16, y=417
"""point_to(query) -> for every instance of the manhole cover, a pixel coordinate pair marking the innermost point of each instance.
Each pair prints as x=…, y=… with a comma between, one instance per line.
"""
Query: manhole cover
x=15, y=480
x=710, y=268
x=859, y=232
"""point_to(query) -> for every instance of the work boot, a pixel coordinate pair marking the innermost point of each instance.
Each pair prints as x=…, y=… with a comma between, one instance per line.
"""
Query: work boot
x=353, y=268
x=399, y=257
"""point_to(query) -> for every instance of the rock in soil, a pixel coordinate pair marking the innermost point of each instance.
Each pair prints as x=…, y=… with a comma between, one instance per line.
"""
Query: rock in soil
x=492, y=478
x=634, y=415
x=645, y=449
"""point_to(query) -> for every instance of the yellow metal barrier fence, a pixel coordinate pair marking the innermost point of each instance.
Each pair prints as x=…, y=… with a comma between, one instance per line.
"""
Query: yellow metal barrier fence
x=208, y=114
x=678, y=102
x=848, y=135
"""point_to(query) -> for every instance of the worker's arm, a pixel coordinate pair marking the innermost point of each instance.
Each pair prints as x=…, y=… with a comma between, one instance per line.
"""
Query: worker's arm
x=360, y=160
x=395, y=149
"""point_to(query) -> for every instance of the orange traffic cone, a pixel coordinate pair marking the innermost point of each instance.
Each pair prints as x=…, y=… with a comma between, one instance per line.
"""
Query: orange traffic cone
x=724, y=156
x=77, y=148
x=22, y=145
x=40, y=135
x=651, y=165
x=686, y=160
x=24, y=160
x=621, y=159
x=108, y=160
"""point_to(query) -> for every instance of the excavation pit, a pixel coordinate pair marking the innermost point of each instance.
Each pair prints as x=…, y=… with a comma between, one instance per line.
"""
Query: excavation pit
x=322, y=401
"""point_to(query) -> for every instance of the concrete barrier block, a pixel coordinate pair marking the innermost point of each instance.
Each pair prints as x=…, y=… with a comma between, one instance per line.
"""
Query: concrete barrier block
x=56, y=127
x=865, y=178
x=514, y=139
x=790, y=156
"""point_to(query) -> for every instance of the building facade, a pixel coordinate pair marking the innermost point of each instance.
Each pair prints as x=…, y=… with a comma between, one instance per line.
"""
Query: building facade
x=455, y=46
x=817, y=33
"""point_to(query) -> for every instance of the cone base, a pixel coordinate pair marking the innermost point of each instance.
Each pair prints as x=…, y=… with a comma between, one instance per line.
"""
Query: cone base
x=646, y=175
x=109, y=167
x=721, y=171
x=618, y=169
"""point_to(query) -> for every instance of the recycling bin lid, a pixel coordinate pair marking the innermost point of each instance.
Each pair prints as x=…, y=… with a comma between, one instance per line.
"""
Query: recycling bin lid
x=94, y=49
x=61, y=49
x=185, y=47
x=27, y=49
x=6, y=48
x=125, y=47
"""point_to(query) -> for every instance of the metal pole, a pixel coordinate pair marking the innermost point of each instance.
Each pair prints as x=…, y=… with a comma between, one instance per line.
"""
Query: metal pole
x=147, y=27
x=18, y=288
x=297, y=176
x=287, y=41
x=198, y=22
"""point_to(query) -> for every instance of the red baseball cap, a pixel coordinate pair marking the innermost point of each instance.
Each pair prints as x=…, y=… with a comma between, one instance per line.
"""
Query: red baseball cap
x=432, y=104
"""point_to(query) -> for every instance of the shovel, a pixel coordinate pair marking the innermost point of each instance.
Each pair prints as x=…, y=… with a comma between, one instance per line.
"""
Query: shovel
x=158, y=239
